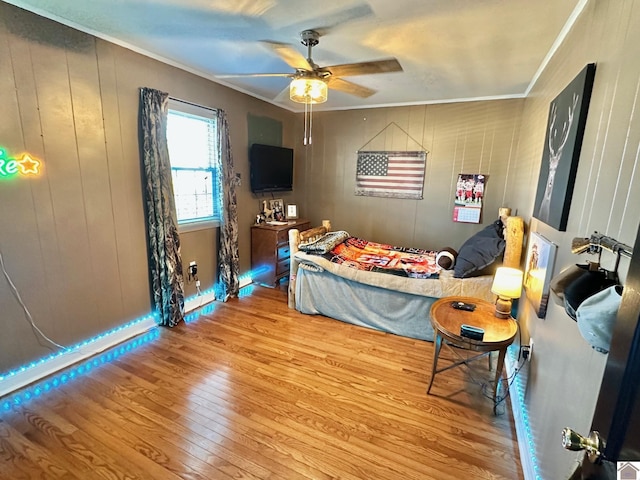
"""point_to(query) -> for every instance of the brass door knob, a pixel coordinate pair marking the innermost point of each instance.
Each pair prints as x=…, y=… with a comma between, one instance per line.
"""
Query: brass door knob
x=593, y=444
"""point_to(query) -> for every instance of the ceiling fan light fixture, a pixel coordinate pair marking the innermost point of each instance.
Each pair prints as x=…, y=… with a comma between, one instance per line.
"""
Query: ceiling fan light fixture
x=308, y=90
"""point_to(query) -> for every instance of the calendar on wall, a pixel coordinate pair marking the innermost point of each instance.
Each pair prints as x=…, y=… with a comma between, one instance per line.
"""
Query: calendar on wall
x=467, y=206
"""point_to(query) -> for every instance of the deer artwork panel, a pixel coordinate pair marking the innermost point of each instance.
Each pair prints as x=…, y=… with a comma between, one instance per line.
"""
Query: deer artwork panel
x=565, y=129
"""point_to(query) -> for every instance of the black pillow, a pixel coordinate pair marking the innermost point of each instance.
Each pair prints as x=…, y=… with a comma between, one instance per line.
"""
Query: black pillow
x=480, y=251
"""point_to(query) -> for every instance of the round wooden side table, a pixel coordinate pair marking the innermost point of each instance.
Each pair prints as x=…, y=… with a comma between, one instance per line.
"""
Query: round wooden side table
x=447, y=321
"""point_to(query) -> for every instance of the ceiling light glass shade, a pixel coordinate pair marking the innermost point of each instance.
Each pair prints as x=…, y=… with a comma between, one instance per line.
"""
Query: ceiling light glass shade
x=308, y=90
x=507, y=282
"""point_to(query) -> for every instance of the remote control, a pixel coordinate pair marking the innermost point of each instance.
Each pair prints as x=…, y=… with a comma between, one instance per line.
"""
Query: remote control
x=472, y=332
x=469, y=307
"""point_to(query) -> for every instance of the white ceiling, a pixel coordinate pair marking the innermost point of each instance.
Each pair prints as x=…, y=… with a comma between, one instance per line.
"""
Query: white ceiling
x=450, y=50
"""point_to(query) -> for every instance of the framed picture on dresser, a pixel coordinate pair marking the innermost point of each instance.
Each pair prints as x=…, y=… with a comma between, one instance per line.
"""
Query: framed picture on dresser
x=277, y=205
x=292, y=211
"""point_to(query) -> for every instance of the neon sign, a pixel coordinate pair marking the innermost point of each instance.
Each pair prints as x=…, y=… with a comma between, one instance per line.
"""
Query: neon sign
x=10, y=167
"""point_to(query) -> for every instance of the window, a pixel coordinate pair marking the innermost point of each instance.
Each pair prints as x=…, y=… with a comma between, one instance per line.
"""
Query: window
x=191, y=138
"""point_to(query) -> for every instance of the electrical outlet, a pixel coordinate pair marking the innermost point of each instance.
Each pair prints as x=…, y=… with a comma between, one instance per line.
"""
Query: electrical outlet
x=527, y=350
x=193, y=268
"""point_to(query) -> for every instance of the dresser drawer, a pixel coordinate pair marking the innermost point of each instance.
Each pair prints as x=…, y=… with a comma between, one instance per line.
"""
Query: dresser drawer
x=282, y=267
x=283, y=251
x=283, y=236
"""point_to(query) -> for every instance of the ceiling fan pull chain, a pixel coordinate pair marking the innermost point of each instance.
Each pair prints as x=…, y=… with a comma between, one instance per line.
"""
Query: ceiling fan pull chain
x=310, y=120
x=305, y=124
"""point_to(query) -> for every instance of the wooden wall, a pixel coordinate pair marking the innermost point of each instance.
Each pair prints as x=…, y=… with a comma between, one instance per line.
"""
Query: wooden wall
x=565, y=372
x=73, y=239
x=474, y=137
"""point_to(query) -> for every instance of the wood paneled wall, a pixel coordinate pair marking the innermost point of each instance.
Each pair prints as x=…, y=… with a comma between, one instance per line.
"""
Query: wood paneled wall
x=565, y=372
x=474, y=137
x=73, y=239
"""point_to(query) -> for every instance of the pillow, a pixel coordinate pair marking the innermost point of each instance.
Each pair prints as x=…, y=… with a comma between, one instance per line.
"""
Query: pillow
x=446, y=258
x=325, y=243
x=480, y=251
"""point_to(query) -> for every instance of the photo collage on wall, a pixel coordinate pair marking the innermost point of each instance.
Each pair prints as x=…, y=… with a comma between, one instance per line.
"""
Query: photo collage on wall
x=468, y=198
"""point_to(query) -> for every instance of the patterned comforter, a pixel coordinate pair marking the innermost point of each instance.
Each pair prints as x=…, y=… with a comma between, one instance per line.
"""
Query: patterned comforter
x=377, y=257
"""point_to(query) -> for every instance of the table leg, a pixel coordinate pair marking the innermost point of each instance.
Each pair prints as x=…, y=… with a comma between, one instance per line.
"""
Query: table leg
x=436, y=352
x=499, y=366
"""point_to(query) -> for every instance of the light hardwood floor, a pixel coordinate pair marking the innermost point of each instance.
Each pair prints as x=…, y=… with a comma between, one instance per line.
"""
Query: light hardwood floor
x=255, y=390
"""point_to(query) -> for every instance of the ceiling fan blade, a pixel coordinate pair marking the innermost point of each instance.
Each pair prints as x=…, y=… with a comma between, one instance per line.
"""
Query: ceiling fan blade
x=292, y=57
x=238, y=75
x=350, y=87
x=364, y=68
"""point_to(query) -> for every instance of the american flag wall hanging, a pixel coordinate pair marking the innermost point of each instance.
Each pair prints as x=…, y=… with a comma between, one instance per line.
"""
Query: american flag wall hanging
x=391, y=174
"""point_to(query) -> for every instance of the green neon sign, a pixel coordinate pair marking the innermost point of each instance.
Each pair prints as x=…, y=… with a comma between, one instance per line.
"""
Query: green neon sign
x=12, y=167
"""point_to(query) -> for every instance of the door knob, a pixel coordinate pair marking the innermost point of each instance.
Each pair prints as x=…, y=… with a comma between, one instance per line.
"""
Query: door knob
x=593, y=444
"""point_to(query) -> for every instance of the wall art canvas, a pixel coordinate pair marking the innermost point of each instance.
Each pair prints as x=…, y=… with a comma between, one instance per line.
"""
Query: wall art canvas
x=392, y=174
x=565, y=129
x=541, y=254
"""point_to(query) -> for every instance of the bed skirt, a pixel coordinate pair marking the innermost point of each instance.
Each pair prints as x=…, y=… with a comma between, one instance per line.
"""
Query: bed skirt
x=399, y=313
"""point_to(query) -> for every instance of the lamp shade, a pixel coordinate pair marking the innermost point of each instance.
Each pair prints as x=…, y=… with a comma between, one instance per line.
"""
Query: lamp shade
x=308, y=90
x=507, y=282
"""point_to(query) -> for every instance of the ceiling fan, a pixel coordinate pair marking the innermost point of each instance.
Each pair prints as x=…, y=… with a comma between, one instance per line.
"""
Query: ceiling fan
x=310, y=81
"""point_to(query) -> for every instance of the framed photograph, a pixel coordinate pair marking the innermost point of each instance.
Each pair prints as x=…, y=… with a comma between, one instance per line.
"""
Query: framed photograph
x=277, y=205
x=292, y=211
x=565, y=128
x=541, y=254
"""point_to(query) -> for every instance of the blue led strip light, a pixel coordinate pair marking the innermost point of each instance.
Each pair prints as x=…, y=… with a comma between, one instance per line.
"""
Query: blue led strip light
x=191, y=317
x=77, y=346
x=520, y=388
x=70, y=374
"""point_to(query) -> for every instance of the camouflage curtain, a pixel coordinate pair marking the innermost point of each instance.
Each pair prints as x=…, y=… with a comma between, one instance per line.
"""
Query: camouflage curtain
x=228, y=242
x=167, y=281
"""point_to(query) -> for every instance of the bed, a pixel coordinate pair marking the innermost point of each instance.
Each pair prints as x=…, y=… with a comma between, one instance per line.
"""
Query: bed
x=324, y=281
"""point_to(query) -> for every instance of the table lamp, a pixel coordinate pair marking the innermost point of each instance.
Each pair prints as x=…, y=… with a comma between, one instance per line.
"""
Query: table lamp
x=507, y=285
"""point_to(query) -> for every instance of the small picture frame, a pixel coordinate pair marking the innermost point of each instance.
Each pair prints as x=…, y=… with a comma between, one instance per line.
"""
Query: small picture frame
x=292, y=211
x=277, y=205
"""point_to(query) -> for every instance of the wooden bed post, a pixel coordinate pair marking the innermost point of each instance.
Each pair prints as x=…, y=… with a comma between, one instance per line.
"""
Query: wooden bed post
x=294, y=240
x=295, y=237
x=514, y=235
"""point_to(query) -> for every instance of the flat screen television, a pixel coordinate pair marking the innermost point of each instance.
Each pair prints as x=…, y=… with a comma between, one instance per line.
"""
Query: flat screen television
x=270, y=168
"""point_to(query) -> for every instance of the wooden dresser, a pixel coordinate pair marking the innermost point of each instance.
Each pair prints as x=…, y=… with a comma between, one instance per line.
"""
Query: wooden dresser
x=270, y=251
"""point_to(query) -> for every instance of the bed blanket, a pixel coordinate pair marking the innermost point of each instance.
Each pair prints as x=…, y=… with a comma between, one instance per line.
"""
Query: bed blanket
x=443, y=285
x=369, y=256
x=428, y=287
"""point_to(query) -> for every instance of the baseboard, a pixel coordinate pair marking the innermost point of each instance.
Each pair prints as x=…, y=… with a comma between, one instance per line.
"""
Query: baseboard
x=526, y=443
x=36, y=371
x=194, y=303
x=29, y=374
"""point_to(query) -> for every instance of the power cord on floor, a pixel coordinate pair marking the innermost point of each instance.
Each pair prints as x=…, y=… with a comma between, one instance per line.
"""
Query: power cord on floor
x=487, y=386
x=27, y=314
